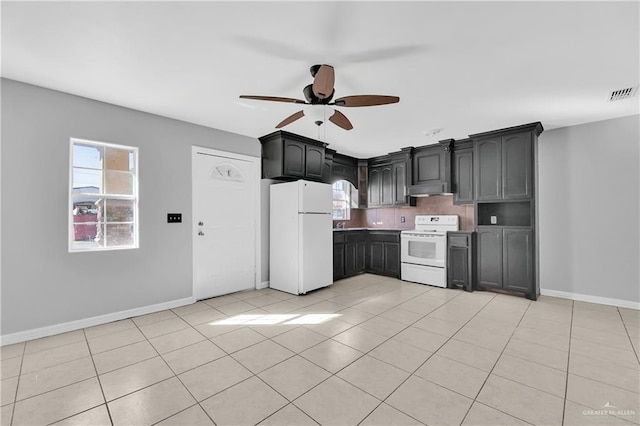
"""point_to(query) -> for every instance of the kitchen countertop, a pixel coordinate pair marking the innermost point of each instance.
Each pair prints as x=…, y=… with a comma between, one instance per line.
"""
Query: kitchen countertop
x=370, y=229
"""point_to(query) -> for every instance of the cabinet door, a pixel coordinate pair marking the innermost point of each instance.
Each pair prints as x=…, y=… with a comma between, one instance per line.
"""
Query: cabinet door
x=386, y=186
x=376, y=257
x=338, y=261
x=490, y=258
x=399, y=184
x=392, y=259
x=351, y=259
x=294, y=153
x=518, y=260
x=375, y=181
x=517, y=176
x=314, y=162
x=361, y=256
x=488, y=169
x=458, y=266
x=463, y=176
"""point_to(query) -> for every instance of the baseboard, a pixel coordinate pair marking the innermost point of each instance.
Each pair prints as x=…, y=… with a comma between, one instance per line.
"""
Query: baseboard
x=591, y=299
x=263, y=284
x=37, y=333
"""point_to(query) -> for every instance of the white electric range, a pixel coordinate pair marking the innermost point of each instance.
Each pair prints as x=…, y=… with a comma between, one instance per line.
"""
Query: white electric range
x=423, y=250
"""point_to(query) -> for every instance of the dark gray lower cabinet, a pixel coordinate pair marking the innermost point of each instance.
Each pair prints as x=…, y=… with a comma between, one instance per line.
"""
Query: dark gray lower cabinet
x=490, y=258
x=461, y=269
x=355, y=252
x=517, y=264
x=338, y=256
x=384, y=253
x=505, y=260
x=358, y=251
x=349, y=253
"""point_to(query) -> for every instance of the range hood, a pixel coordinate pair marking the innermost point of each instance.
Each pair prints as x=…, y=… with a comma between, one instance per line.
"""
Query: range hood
x=425, y=190
x=431, y=170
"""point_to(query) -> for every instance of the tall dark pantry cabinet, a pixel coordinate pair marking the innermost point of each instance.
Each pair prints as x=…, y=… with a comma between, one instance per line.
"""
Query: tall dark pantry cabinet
x=504, y=171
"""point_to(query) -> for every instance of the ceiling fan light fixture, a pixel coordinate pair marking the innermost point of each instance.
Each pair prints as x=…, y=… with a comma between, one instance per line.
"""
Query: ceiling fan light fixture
x=318, y=112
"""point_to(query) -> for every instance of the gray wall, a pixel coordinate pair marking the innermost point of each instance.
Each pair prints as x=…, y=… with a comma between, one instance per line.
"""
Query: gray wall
x=589, y=209
x=43, y=284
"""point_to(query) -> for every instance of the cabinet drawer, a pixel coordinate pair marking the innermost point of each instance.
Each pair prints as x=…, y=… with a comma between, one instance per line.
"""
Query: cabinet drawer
x=338, y=236
x=355, y=236
x=457, y=240
x=384, y=237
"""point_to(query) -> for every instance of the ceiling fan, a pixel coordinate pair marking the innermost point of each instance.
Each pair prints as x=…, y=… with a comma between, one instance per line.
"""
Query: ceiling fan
x=321, y=92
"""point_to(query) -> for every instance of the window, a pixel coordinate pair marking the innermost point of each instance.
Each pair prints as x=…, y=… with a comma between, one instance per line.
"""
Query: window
x=103, y=196
x=342, y=195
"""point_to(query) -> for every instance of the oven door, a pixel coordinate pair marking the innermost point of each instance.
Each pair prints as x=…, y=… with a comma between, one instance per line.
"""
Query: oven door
x=424, y=249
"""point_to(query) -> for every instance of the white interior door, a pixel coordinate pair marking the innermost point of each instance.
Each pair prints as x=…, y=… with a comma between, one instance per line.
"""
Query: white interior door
x=225, y=222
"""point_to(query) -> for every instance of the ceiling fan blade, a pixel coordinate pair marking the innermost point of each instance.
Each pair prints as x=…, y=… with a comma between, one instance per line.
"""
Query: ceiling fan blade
x=323, y=82
x=366, y=100
x=340, y=120
x=273, y=98
x=290, y=119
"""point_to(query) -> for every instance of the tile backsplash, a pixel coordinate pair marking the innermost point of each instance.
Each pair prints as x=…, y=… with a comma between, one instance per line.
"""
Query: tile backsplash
x=391, y=217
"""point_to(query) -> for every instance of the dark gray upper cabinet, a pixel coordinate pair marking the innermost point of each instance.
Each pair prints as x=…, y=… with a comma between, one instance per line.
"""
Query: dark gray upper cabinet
x=327, y=168
x=431, y=166
x=400, y=193
x=344, y=168
x=293, y=158
x=381, y=184
x=503, y=163
x=389, y=178
x=517, y=161
x=289, y=156
x=386, y=185
x=375, y=184
x=488, y=162
x=462, y=173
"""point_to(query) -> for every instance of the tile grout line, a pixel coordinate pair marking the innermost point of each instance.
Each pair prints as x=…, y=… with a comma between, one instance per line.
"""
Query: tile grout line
x=80, y=381
x=624, y=324
x=15, y=397
x=566, y=383
x=174, y=374
x=493, y=368
x=292, y=402
x=426, y=360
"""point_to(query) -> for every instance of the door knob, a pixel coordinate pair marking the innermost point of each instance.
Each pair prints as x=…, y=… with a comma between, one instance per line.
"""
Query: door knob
x=201, y=223
x=200, y=233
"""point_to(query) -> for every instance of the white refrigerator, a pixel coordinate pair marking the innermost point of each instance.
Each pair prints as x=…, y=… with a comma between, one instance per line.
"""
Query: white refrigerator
x=301, y=236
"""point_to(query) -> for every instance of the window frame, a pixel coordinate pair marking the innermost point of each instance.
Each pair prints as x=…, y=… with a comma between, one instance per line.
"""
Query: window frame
x=348, y=190
x=133, y=197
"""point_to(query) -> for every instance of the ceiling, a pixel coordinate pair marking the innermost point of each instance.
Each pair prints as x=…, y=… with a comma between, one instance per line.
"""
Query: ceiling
x=463, y=67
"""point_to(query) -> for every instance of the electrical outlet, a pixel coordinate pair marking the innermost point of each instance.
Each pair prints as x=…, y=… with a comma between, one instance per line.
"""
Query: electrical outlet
x=402, y=219
x=494, y=220
x=174, y=217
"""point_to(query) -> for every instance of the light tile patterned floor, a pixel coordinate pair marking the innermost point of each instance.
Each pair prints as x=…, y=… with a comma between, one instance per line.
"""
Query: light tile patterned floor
x=368, y=350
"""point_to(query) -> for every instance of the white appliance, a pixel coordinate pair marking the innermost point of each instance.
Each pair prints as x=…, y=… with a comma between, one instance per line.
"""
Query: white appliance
x=423, y=250
x=301, y=236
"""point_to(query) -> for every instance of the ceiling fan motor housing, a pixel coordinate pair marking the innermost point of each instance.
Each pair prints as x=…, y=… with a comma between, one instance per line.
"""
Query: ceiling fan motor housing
x=313, y=99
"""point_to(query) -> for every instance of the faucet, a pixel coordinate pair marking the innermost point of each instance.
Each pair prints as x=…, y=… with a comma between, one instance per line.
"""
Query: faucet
x=340, y=225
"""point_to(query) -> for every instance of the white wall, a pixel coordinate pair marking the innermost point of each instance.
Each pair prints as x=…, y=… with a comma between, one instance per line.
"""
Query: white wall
x=43, y=284
x=589, y=210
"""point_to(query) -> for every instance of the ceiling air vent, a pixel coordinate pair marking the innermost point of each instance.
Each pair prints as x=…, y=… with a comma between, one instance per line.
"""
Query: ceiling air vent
x=618, y=95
